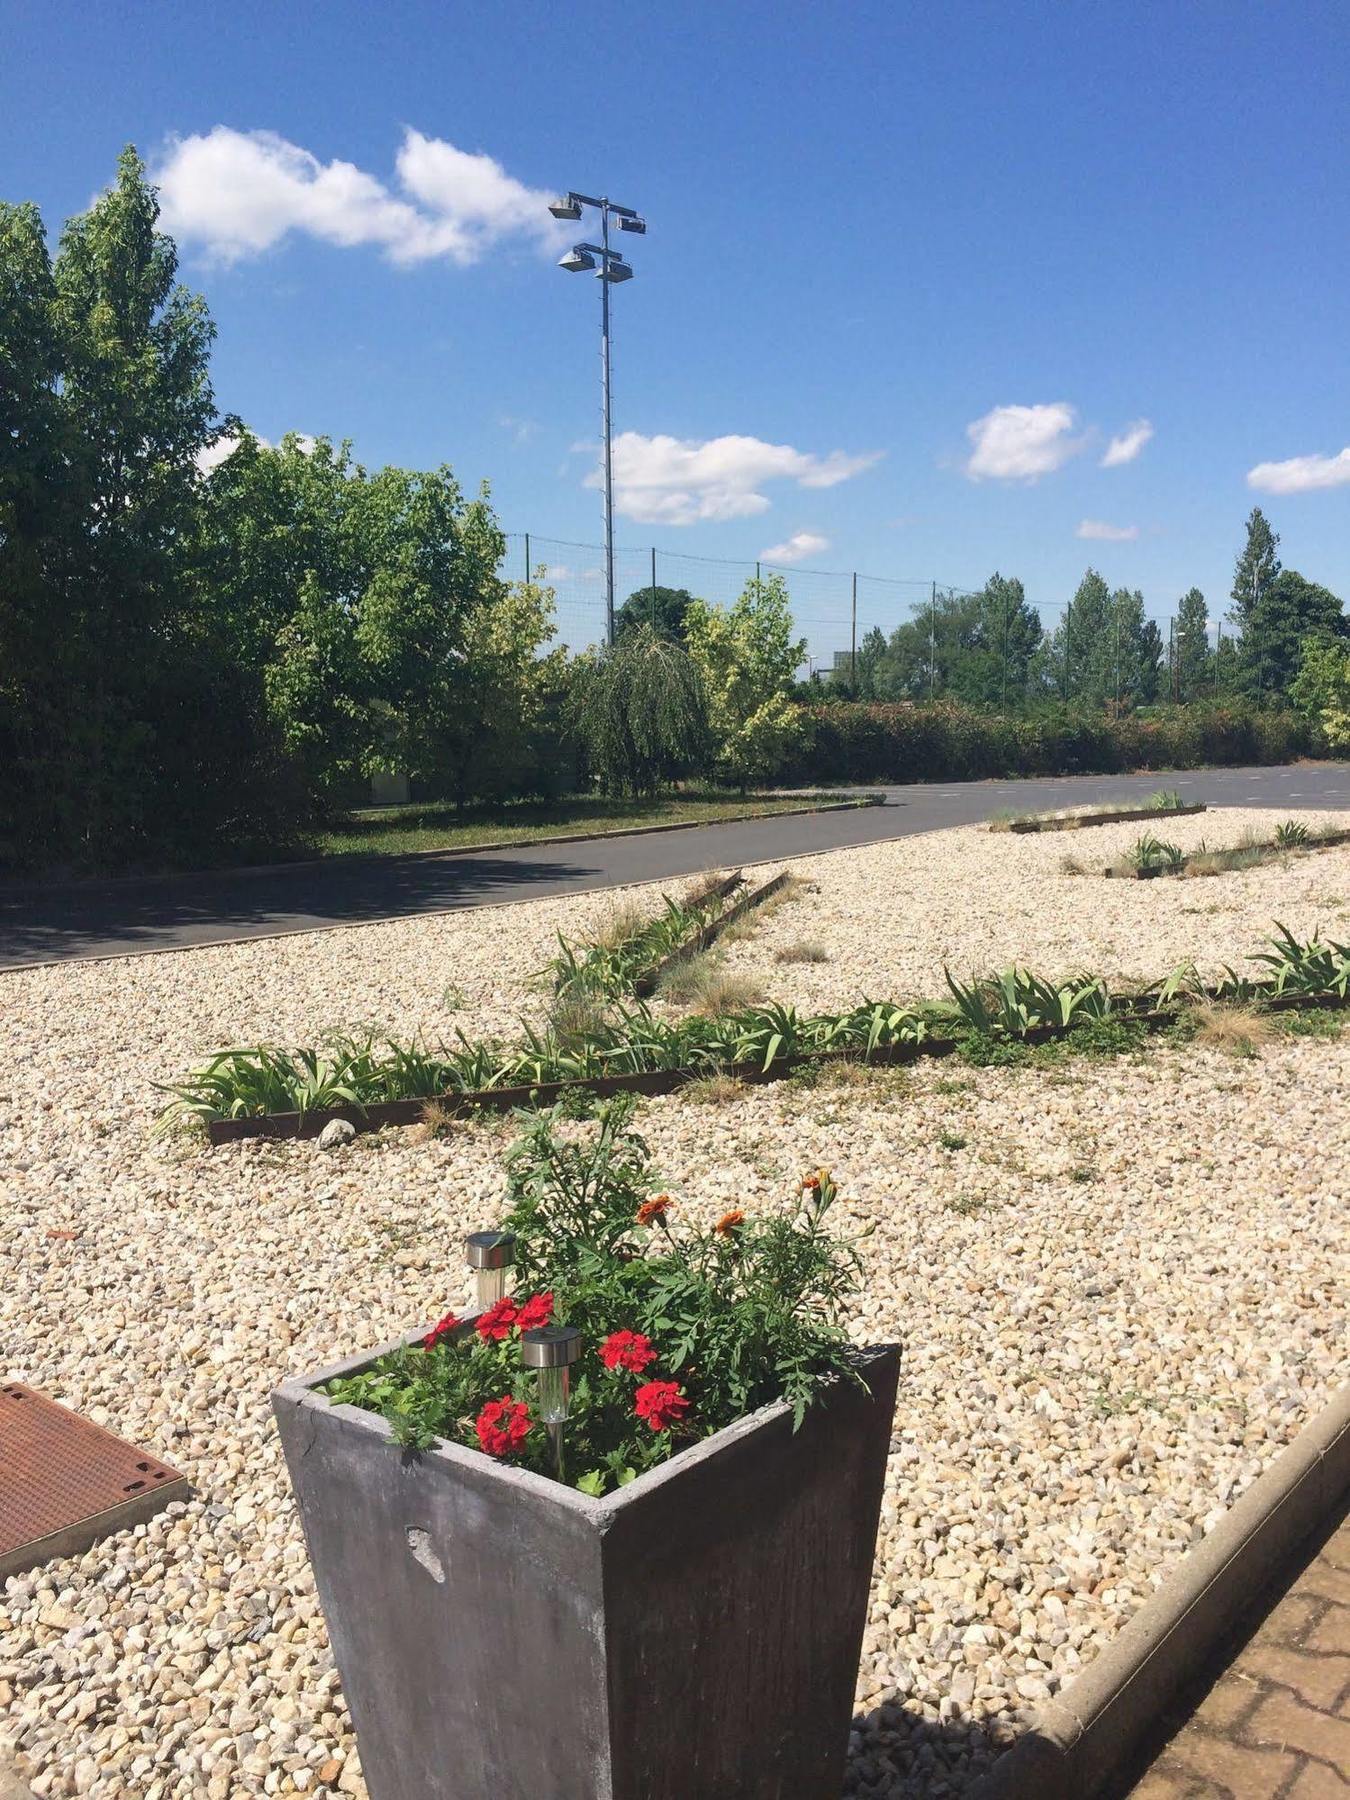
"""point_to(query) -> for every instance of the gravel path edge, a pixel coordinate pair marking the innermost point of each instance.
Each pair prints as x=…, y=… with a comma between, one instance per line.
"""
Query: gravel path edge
x=1080, y=1742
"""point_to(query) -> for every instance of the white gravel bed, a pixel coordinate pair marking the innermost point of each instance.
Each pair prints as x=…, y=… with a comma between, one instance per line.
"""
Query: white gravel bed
x=1116, y=1284
x=890, y=916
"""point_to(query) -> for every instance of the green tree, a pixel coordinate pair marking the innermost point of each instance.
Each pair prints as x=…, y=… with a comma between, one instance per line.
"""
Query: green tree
x=978, y=647
x=1193, y=659
x=1082, y=649
x=747, y=656
x=1321, y=688
x=641, y=712
x=135, y=739
x=1254, y=574
x=1289, y=611
x=661, y=607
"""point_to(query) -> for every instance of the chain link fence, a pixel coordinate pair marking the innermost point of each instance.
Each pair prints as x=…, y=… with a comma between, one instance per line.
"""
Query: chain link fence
x=836, y=610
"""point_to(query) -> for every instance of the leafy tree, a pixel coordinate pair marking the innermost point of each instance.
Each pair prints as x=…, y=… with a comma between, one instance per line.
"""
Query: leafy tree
x=133, y=737
x=1191, y=652
x=641, y=712
x=1321, y=688
x=1290, y=610
x=1256, y=569
x=977, y=647
x=747, y=656
x=1082, y=649
x=661, y=607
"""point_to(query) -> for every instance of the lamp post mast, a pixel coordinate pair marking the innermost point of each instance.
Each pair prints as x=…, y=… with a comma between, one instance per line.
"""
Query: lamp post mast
x=609, y=448
x=613, y=267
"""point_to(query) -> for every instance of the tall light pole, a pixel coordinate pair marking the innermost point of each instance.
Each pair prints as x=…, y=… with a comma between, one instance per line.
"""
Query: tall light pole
x=612, y=268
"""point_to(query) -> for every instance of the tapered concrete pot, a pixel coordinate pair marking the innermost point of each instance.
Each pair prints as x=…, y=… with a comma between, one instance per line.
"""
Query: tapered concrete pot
x=694, y=1636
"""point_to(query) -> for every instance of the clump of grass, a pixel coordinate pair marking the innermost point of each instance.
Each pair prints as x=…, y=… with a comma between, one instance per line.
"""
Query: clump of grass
x=1070, y=865
x=1003, y=818
x=1236, y=1030
x=1292, y=834
x=713, y=1090
x=802, y=952
x=1165, y=800
x=577, y=1017
x=951, y=1140
x=792, y=889
x=705, y=985
x=966, y=1204
x=624, y=920
x=435, y=1119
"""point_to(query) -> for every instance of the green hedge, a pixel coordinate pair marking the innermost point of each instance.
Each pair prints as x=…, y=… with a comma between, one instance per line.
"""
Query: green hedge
x=856, y=741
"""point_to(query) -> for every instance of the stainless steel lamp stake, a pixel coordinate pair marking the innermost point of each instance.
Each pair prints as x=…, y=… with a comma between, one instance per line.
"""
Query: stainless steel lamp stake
x=489, y=1254
x=552, y=1350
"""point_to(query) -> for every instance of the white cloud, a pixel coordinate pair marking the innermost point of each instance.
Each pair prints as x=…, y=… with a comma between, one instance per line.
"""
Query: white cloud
x=796, y=548
x=238, y=193
x=1301, y=474
x=224, y=447
x=1127, y=444
x=1107, y=534
x=1020, y=443
x=680, y=481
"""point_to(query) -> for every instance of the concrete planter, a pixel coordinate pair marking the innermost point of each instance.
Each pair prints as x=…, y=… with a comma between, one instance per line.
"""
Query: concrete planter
x=694, y=1636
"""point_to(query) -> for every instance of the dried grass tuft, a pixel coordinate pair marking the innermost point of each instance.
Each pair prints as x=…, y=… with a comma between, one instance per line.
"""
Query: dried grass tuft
x=1237, y=1030
x=713, y=1090
x=802, y=953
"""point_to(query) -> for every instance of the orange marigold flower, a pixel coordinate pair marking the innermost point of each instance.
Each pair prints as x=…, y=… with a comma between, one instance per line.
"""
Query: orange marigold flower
x=811, y=1181
x=729, y=1221
x=651, y=1210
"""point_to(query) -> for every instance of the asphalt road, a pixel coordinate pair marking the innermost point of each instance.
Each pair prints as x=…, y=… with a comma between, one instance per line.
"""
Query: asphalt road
x=128, y=918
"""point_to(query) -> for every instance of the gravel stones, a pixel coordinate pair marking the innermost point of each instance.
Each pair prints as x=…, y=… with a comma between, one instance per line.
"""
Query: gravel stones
x=1120, y=1287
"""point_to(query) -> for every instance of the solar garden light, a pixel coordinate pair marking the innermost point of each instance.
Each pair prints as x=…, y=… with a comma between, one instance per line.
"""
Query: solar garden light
x=552, y=1349
x=580, y=259
x=489, y=1254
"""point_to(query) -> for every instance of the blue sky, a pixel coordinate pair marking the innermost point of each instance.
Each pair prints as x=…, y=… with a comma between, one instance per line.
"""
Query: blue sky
x=871, y=230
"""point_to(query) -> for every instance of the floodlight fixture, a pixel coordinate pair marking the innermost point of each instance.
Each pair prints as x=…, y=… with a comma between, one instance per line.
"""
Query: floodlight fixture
x=609, y=267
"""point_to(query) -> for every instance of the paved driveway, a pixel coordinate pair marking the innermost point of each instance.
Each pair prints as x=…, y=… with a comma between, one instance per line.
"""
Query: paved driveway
x=124, y=918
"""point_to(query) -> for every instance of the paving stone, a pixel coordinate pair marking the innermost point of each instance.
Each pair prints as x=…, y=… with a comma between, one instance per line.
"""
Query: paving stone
x=1283, y=1719
x=1229, y=1771
x=1331, y=1634
x=1318, y=1681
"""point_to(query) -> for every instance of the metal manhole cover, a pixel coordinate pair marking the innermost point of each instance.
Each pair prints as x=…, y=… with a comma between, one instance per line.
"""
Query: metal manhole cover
x=66, y=1482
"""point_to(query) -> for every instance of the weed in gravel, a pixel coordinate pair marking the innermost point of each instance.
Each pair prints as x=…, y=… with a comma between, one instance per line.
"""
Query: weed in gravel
x=951, y=1140
x=1237, y=1030
x=802, y=953
x=1081, y=1175
x=435, y=1119
x=948, y=1085
x=1310, y=1024
x=966, y=1204
x=705, y=985
x=1070, y=865
x=713, y=1090
x=453, y=998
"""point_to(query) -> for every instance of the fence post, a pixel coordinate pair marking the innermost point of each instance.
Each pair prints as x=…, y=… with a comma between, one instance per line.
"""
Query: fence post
x=853, y=642
x=653, y=586
x=756, y=574
x=527, y=559
x=1218, y=647
x=1003, y=689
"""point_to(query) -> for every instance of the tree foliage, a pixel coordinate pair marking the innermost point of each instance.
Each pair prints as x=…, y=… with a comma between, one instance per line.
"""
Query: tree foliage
x=641, y=712
x=663, y=608
x=747, y=657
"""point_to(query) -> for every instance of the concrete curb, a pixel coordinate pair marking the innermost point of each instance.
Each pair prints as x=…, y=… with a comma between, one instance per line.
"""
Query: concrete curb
x=1081, y=1741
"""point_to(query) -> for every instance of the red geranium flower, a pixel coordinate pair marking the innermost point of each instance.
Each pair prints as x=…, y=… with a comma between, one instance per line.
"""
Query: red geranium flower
x=503, y=1425
x=660, y=1403
x=535, y=1311
x=442, y=1329
x=497, y=1321
x=627, y=1350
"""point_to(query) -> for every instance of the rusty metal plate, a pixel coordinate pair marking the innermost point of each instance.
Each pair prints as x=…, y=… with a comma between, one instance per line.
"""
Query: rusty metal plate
x=66, y=1482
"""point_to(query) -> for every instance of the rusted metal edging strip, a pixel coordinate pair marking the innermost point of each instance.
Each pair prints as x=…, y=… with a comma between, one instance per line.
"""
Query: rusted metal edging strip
x=648, y=982
x=1080, y=821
